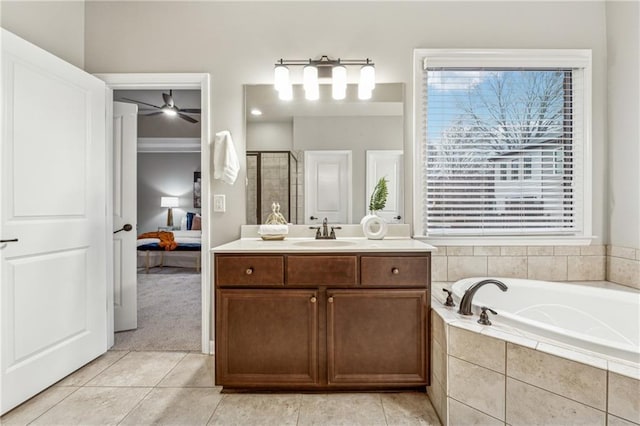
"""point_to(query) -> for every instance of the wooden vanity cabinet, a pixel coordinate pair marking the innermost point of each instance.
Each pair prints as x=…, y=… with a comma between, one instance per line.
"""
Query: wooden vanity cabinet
x=334, y=321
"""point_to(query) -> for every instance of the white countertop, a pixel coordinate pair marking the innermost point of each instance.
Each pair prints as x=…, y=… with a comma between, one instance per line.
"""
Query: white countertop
x=310, y=245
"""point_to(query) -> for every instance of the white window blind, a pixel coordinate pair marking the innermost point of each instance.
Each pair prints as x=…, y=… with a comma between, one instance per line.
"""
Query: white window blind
x=502, y=151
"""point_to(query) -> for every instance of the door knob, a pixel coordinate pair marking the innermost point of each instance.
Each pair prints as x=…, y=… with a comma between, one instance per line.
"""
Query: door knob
x=127, y=227
x=13, y=240
x=397, y=217
x=313, y=218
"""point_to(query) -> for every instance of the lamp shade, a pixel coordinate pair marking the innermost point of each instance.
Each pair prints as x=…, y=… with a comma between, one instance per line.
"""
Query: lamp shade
x=169, y=202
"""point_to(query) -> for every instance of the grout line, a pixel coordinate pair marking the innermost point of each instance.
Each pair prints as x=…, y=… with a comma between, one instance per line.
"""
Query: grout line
x=384, y=412
x=557, y=394
x=54, y=405
x=135, y=407
x=171, y=369
x=222, y=397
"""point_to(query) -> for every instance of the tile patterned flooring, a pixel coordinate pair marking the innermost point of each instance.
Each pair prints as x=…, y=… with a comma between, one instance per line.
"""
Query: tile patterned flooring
x=177, y=388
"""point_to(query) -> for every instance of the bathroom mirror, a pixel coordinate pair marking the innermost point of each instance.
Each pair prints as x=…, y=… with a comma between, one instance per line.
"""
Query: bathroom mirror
x=282, y=135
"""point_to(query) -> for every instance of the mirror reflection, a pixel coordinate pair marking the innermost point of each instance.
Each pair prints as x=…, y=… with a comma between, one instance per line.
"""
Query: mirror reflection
x=323, y=158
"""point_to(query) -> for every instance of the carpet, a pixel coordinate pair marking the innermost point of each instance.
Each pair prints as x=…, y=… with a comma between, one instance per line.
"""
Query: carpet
x=169, y=312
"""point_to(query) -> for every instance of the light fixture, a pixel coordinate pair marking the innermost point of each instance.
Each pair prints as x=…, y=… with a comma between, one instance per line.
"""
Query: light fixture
x=169, y=110
x=256, y=112
x=324, y=70
x=169, y=202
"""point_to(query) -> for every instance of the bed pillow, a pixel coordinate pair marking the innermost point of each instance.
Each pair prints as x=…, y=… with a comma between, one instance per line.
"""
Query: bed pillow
x=190, y=220
x=183, y=224
x=196, y=224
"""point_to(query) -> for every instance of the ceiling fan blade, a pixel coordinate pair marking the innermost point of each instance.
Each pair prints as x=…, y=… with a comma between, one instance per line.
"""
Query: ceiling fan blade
x=153, y=113
x=187, y=118
x=140, y=102
x=168, y=99
x=190, y=110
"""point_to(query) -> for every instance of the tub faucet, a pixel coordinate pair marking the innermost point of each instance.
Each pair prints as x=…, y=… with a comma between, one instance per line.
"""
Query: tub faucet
x=465, y=303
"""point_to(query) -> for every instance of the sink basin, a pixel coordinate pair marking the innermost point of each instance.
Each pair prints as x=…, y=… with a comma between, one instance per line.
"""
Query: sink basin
x=324, y=243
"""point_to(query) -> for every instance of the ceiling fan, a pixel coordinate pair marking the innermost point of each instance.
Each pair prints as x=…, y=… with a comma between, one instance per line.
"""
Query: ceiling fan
x=169, y=108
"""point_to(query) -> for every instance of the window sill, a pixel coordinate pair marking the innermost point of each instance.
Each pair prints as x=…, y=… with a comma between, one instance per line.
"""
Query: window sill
x=506, y=241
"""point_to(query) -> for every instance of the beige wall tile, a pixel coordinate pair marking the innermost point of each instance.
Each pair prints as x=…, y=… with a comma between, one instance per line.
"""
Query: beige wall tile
x=624, y=397
x=477, y=349
x=438, y=398
x=529, y=405
x=459, y=267
x=593, y=250
x=441, y=251
x=617, y=421
x=624, y=271
x=551, y=268
x=439, y=268
x=486, y=251
x=459, y=250
x=513, y=251
x=624, y=252
x=507, y=266
x=463, y=415
x=586, y=268
x=577, y=381
x=439, y=362
x=540, y=250
x=438, y=329
x=638, y=254
x=477, y=387
x=566, y=250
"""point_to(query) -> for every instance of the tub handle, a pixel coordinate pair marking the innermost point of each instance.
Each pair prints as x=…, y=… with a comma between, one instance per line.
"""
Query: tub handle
x=484, y=316
x=449, y=301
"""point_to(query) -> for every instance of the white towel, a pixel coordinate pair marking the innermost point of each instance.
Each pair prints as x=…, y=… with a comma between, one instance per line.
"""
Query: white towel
x=225, y=159
x=273, y=230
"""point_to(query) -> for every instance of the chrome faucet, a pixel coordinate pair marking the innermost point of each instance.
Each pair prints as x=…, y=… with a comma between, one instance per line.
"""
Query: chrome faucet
x=325, y=235
x=465, y=303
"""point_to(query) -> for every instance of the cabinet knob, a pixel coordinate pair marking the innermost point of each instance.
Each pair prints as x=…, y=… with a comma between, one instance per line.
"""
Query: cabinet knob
x=395, y=271
x=313, y=299
x=249, y=271
x=330, y=300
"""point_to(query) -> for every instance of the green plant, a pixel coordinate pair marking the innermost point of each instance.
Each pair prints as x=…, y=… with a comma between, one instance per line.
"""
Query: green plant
x=379, y=195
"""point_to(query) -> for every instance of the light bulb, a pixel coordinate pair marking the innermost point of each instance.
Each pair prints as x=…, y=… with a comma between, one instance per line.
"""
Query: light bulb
x=309, y=76
x=280, y=77
x=286, y=93
x=339, y=82
x=169, y=111
x=368, y=76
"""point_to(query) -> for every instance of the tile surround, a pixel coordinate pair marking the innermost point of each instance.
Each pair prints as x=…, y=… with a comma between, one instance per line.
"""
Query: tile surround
x=624, y=394
x=478, y=387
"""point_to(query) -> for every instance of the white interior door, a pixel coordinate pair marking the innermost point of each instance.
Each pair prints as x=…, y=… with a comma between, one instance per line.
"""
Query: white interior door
x=125, y=134
x=53, y=205
x=327, y=186
x=389, y=164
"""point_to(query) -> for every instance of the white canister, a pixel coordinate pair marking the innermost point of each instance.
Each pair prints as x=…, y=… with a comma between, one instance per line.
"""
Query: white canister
x=374, y=227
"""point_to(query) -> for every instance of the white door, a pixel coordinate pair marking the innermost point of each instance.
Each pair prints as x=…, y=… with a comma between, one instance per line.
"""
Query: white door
x=327, y=184
x=388, y=164
x=53, y=204
x=125, y=133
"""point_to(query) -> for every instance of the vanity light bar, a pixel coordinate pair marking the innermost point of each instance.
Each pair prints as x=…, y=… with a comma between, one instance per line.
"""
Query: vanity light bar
x=316, y=69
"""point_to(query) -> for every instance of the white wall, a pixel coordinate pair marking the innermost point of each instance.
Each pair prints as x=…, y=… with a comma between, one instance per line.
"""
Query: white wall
x=270, y=136
x=57, y=27
x=623, y=50
x=238, y=43
x=164, y=175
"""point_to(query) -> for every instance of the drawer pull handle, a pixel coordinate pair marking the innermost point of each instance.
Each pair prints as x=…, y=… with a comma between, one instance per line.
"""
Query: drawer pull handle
x=249, y=271
x=313, y=299
x=395, y=271
x=330, y=300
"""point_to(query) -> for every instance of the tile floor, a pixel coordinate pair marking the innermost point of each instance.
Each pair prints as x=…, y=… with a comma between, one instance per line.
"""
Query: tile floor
x=177, y=388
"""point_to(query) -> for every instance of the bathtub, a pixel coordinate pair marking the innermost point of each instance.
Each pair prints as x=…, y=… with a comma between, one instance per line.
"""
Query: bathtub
x=602, y=320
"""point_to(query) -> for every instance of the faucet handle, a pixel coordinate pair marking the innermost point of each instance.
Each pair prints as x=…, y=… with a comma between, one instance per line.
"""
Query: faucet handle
x=317, y=229
x=484, y=316
x=449, y=301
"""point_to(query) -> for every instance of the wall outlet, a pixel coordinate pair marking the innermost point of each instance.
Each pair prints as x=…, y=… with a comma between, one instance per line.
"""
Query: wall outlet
x=219, y=203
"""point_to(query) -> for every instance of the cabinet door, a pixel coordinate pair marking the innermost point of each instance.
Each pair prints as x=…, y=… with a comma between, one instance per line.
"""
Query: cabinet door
x=377, y=337
x=266, y=338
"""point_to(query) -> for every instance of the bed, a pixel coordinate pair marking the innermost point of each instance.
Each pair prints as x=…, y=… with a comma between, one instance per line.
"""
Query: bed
x=186, y=254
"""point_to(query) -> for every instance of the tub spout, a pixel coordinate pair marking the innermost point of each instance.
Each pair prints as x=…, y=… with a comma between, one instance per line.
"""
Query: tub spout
x=465, y=303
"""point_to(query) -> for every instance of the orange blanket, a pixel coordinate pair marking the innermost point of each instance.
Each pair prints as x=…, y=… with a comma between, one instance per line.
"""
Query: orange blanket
x=166, y=239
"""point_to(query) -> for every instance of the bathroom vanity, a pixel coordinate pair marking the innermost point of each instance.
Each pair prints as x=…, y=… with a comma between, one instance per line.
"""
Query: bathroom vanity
x=304, y=314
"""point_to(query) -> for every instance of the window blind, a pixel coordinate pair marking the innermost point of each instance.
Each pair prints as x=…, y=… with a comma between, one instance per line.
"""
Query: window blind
x=501, y=151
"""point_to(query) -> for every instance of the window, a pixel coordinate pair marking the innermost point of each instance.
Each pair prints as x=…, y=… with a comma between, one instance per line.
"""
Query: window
x=501, y=148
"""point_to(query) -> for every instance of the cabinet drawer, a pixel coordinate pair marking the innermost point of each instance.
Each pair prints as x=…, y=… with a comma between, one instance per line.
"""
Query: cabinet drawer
x=322, y=270
x=249, y=270
x=394, y=271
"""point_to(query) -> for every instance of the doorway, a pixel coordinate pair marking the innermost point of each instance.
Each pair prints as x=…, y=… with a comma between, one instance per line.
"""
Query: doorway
x=201, y=83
